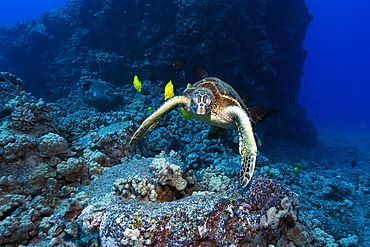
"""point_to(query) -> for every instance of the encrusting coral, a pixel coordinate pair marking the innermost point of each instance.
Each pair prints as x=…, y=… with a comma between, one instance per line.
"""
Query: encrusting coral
x=274, y=215
x=213, y=179
x=167, y=173
x=91, y=164
x=15, y=146
x=28, y=114
x=135, y=188
x=53, y=144
x=23, y=118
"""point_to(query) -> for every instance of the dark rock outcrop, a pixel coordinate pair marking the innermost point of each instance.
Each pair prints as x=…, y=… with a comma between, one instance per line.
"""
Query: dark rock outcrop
x=254, y=45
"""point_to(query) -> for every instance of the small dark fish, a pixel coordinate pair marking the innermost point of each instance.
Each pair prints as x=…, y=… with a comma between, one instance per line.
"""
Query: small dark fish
x=47, y=93
x=179, y=64
x=200, y=72
x=326, y=101
x=259, y=113
x=354, y=163
x=151, y=75
x=317, y=115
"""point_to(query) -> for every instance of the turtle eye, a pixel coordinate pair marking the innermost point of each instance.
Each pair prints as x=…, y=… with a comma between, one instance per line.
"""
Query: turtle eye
x=208, y=100
x=197, y=98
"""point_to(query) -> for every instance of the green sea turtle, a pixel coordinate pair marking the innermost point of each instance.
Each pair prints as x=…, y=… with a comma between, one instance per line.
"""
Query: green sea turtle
x=215, y=102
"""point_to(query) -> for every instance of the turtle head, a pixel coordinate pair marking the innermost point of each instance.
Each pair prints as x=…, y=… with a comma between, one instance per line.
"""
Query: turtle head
x=202, y=100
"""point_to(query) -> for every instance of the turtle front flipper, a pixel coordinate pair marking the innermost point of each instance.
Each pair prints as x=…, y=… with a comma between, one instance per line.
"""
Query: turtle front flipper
x=247, y=143
x=154, y=119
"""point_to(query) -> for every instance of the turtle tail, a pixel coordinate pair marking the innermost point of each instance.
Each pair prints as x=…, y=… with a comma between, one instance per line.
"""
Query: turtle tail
x=154, y=119
x=247, y=143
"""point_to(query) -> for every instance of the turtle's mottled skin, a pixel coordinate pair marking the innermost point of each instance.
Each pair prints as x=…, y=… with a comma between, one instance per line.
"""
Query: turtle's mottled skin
x=214, y=102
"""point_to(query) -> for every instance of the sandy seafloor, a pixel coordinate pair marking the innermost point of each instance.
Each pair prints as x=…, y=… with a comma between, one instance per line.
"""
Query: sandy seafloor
x=332, y=180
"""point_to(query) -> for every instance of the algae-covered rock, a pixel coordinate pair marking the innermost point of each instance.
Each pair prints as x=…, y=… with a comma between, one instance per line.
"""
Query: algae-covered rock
x=233, y=218
x=262, y=214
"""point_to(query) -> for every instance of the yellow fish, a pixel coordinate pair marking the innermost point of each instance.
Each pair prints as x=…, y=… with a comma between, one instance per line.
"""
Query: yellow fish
x=168, y=90
x=188, y=85
x=185, y=114
x=137, y=83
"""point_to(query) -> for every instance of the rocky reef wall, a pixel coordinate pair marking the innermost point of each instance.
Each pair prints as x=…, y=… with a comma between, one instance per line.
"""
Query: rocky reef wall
x=254, y=45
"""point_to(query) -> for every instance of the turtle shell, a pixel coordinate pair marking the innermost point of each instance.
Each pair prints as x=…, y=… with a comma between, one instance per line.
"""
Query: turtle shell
x=224, y=94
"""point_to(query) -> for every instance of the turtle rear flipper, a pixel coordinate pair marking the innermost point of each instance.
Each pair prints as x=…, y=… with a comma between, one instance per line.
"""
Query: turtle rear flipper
x=247, y=143
x=154, y=119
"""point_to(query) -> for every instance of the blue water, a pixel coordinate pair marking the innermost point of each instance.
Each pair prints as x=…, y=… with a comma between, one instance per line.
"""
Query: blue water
x=336, y=82
x=13, y=11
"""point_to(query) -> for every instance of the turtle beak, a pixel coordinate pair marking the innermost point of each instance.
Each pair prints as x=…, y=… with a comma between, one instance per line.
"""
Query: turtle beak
x=201, y=109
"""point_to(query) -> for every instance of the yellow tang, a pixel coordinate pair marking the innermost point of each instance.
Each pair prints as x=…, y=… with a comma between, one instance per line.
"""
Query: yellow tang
x=168, y=90
x=300, y=164
x=185, y=114
x=137, y=83
x=188, y=85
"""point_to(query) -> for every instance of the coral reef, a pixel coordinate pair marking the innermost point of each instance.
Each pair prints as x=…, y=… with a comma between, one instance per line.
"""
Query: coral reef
x=136, y=187
x=89, y=165
x=43, y=215
x=98, y=94
x=76, y=156
x=68, y=176
x=63, y=45
x=9, y=77
x=31, y=115
x=15, y=147
x=23, y=118
x=53, y=144
x=213, y=179
x=167, y=173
